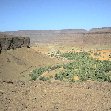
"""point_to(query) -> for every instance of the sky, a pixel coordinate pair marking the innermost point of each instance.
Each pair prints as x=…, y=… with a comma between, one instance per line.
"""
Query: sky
x=54, y=14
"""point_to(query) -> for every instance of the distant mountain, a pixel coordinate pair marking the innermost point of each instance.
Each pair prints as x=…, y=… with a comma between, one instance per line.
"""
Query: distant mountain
x=103, y=29
x=95, y=36
x=73, y=31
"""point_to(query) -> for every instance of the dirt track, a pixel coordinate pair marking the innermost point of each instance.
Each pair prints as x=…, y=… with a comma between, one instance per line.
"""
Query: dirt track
x=54, y=96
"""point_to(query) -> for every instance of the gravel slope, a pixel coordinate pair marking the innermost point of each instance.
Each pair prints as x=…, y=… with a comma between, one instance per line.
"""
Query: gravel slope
x=54, y=96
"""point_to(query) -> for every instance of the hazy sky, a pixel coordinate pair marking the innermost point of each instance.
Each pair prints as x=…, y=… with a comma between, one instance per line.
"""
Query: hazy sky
x=54, y=14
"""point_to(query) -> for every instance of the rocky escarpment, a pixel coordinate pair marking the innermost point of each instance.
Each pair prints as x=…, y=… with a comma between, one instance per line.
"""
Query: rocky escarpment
x=95, y=36
x=101, y=30
x=8, y=42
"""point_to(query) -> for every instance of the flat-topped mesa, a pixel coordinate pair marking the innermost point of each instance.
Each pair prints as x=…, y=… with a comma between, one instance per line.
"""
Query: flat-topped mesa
x=8, y=42
x=75, y=31
x=44, y=32
x=95, y=36
x=101, y=30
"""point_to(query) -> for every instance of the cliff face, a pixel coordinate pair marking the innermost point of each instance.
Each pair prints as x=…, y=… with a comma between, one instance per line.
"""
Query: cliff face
x=9, y=42
x=96, y=36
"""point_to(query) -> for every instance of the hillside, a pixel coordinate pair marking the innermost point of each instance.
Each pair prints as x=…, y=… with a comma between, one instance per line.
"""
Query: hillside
x=14, y=64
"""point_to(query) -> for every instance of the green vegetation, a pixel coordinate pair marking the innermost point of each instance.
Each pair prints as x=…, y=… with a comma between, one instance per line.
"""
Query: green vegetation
x=42, y=78
x=38, y=72
x=82, y=66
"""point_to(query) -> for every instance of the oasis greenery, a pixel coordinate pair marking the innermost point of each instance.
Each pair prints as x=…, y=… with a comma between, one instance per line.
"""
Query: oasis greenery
x=82, y=65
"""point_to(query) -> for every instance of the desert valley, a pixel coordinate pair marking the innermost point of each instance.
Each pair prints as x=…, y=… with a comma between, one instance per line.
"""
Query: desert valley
x=55, y=70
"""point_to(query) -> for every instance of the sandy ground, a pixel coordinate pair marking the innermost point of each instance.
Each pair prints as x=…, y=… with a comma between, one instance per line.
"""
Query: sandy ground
x=54, y=96
x=17, y=93
x=17, y=64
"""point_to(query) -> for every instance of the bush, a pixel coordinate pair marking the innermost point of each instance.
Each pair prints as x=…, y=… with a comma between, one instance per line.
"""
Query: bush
x=42, y=78
x=83, y=66
x=37, y=72
x=86, y=67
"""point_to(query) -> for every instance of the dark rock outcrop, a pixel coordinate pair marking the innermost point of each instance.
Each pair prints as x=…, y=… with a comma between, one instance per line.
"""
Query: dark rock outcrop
x=9, y=42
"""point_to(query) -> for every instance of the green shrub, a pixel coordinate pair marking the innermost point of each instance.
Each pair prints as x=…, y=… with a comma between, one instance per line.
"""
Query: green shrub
x=86, y=67
x=37, y=72
x=82, y=65
x=42, y=78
